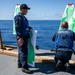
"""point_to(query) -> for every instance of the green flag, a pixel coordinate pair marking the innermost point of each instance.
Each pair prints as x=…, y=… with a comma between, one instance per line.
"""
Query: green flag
x=69, y=16
x=31, y=48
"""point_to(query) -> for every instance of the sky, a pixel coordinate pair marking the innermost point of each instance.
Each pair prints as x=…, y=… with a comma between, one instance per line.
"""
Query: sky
x=40, y=9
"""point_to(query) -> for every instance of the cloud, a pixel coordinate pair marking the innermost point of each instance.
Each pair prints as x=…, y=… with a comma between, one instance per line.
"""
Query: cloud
x=58, y=15
x=33, y=16
x=6, y=17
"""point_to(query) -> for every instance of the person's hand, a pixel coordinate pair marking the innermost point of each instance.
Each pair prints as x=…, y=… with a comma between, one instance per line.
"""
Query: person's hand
x=20, y=42
x=30, y=28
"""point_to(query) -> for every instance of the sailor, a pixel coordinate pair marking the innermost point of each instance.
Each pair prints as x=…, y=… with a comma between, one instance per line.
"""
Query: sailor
x=22, y=34
x=64, y=42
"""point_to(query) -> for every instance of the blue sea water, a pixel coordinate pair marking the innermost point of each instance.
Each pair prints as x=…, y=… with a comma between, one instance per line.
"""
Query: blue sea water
x=45, y=30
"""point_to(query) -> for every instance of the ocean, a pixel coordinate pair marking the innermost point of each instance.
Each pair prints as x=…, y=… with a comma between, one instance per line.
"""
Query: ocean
x=45, y=31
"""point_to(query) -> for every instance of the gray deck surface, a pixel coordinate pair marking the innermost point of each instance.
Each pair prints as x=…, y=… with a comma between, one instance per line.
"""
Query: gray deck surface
x=8, y=66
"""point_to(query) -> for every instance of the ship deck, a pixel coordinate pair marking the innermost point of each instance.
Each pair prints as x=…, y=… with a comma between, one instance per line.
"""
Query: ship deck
x=8, y=65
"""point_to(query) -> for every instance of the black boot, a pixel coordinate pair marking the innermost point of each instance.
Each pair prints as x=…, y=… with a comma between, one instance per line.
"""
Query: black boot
x=19, y=66
x=67, y=65
x=58, y=65
x=26, y=70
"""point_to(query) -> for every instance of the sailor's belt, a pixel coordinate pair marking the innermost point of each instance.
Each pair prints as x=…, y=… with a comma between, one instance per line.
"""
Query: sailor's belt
x=64, y=49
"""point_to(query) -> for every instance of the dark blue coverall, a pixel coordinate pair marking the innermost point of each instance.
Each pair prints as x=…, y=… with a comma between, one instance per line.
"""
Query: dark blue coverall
x=22, y=31
x=64, y=44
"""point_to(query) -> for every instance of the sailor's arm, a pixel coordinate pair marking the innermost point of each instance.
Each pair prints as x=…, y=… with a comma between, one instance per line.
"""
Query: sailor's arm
x=73, y=36
x=54, y=36
x=18, y=26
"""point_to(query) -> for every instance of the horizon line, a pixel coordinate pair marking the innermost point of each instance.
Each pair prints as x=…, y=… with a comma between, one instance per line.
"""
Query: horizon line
x=33, y=19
